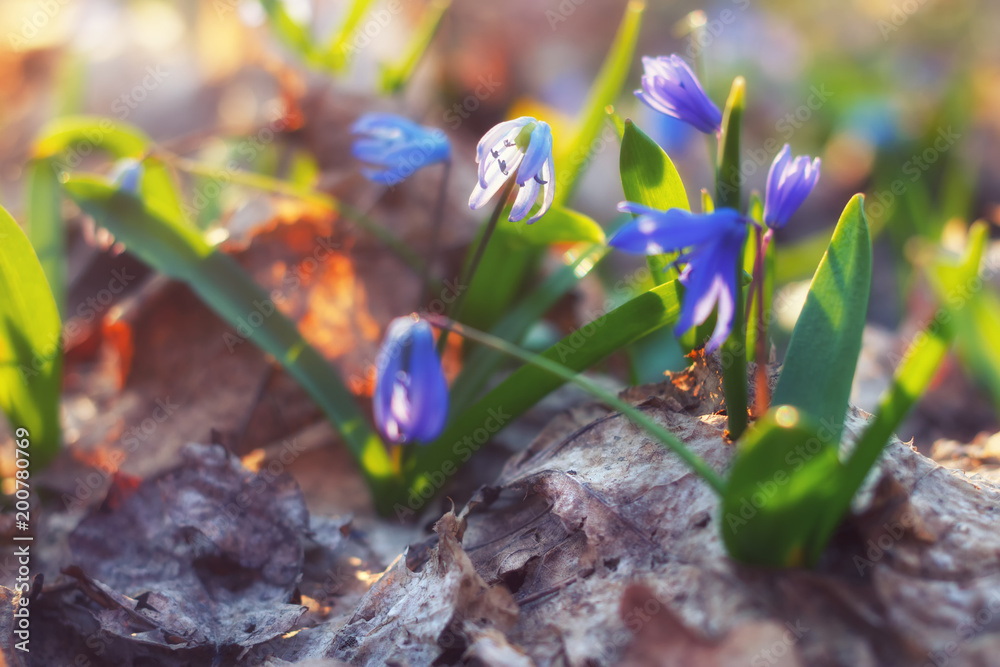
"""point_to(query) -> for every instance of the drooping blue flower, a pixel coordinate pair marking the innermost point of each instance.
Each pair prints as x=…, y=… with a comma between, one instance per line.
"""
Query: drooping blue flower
x=788, y=184
x=519, y=149
x=669, y=86
x=411, y=393
x=396, y=147
x=711, y=244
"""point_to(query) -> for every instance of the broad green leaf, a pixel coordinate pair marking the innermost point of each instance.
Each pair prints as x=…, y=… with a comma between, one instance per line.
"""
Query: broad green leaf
x=779, y=491
x=180, y=251
x=728, y=179
x=30, y=344
x=650, y=178
x=396, y=75
x=558, y=225
x=45, y=225
x=727, y=195
x=822, y=354
x=578, y=351
x=648, y=175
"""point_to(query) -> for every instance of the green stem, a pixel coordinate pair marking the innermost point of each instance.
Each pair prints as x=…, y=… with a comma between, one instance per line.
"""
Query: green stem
x=470, y=270
x=762, y=394
x=727, y=183
x=671, y=441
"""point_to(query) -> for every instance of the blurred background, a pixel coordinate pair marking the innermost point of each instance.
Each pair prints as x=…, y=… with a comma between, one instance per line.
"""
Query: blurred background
x=900, y=98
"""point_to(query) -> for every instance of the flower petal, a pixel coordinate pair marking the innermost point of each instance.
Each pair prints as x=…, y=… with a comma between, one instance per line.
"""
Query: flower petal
x=655, y=231
x=539, y=150
x=497, y=132
x=525, y=200
x=496, y=177
x=502, y=149
x=548, y=177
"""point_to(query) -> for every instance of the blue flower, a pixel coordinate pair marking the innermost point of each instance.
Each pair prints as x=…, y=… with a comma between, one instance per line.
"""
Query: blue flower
x=411, y=393
x=712, y=246
x=396, y=146
x=127, y=174
x=669, y=86
x=788, y=184
x=519, y=149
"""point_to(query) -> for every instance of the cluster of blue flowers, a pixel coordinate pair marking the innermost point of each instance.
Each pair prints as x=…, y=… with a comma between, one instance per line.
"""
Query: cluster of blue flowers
x=411, y=394
x=711, y=243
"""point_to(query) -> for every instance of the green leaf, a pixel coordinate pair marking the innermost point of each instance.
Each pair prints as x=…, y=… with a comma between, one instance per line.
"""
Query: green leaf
x=919, y=364
x=648, y=175
x=292, y=34
x=779, y=490
x=396, y=75
x=482, y=362
x=561, y=372
x=578, y=351
x=727, y=195
x=558, y=225
x=45, y=225
x=30, y=344
x=650, y=178
x=180, y=251
x=978, y=344
x=823, y=352
x=79, y=135
x=341, y=51
x=976, y=320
